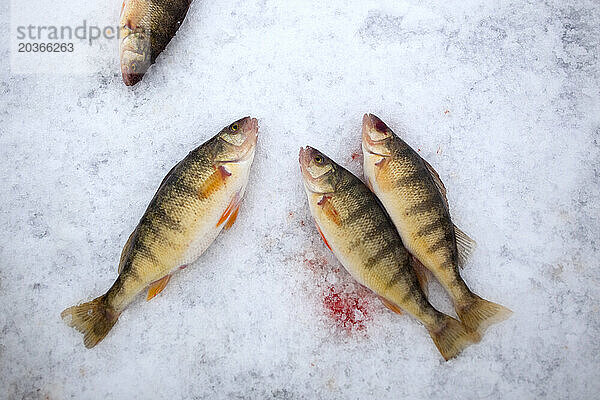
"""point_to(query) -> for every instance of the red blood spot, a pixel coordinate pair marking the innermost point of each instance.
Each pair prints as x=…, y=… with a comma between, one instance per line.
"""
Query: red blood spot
x=418, y=149
x=347, y=305
x=447, y=112
x=355, y=156
x=348, y=310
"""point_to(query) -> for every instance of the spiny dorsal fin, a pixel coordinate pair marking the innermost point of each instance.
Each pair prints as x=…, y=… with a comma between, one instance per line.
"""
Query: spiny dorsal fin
x=125, y=251
x=465, y=246
x=437, y=180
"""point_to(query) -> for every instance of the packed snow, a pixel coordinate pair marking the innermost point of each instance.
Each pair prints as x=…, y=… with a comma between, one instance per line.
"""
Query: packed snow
x=502, y=98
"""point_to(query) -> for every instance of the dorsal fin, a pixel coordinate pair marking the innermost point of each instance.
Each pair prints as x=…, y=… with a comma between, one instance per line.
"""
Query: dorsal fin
x=438, y=182
x=125, y=251
x=465, y=246
x=464, y=243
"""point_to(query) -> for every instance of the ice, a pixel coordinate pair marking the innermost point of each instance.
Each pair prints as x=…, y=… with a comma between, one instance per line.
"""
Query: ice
x=502, y=98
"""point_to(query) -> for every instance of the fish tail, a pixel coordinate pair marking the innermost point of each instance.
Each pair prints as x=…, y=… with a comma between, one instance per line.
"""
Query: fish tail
x=479, y=314
x=451, y=337
x=94, y=319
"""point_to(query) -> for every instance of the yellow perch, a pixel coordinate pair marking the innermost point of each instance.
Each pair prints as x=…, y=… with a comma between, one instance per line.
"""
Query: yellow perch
x=198, y=198
x=415, y=198
x=358, y=231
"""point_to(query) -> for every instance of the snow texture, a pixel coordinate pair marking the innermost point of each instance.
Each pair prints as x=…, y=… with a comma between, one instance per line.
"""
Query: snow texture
x=501, y=97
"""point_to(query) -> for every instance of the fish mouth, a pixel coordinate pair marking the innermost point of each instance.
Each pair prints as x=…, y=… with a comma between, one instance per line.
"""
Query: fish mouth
x=131, y=79
x=304, y=158
x=134, y=50
x=249, y=127
x=374, y=134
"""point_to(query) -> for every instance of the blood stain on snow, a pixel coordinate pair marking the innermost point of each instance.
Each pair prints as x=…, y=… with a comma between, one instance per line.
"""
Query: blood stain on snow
x=348, y=309
x=347, y=304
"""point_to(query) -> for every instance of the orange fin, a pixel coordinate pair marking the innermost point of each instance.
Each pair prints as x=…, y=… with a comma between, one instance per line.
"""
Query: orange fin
x=232, y=218
x=233, y=204
x=214, y=182
x=391, y=306
x=329, y=210
x=157, y=287
x=323, y=236
x=381, y=177
x=423, y=275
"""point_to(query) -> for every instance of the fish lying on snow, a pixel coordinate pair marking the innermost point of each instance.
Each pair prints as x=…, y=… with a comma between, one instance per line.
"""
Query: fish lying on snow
x=415, y=198
x=358, y=231
x=198, y=198
x=146, y=28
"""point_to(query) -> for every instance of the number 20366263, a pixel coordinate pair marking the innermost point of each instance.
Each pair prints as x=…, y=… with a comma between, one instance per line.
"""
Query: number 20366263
x=35, y=47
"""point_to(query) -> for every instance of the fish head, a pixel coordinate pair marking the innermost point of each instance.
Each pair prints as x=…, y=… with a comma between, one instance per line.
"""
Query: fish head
x=319, y=172
x=238, y=140
x=135, y=51
x=376, y=135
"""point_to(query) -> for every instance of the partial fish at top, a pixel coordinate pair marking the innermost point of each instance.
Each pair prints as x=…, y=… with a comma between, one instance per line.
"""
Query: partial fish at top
x=147, y=27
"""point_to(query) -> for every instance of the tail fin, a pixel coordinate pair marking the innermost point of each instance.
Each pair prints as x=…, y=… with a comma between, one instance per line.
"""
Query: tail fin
x=94, y=319
x=480, y=314
x=451, y=337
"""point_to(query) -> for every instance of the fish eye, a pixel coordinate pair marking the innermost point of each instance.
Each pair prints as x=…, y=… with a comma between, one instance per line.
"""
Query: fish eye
x=318, y=159
x=234, y=127
x=133, y=66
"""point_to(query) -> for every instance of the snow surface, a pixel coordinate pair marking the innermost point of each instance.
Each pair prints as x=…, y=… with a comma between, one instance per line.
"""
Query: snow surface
x=503, y=98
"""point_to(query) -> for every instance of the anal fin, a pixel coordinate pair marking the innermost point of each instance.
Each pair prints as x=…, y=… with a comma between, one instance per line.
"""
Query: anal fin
x=157, y=287
x=423, y=275
x=391, y=306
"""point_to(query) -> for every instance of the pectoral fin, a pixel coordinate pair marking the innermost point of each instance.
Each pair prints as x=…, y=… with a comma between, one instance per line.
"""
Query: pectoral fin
x=329, y=210
x=157, y=287
x=381, y=176
x=214, y=182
